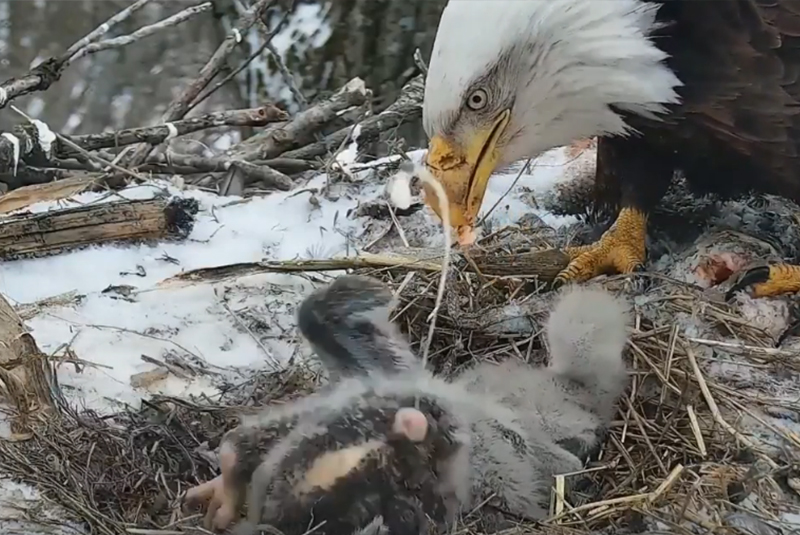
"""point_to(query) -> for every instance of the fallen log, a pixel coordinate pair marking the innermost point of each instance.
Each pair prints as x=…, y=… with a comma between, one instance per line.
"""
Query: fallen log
x=52, y=232
x=25, y=374
x=541, y=265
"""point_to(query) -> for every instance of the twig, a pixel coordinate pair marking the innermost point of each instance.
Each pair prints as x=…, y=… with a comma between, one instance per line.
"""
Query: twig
x=698, y=435
x=85, y=153
x=142, y=32
x=245, y=63
x=505, y=193
x=288, y=77
x=270, y=357
x=407, y=107
x=251, y=172
x=743, y=348
x=180, y=106
x=712, y=405
x=162, y=132
x=104, y=28
x=46, y=73
x=303, y=126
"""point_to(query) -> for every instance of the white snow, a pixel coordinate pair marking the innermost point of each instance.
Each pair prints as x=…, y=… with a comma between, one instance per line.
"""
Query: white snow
x=225, y=328
x=200, y=322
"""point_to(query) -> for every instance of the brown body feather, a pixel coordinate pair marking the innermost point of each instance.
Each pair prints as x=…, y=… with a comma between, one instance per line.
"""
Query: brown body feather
x=737, y=128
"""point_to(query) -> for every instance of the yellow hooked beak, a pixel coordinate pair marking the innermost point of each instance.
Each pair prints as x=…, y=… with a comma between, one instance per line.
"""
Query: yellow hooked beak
x=463, y=172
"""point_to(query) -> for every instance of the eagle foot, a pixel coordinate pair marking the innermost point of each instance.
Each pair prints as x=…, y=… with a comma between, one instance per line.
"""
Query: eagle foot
x=621, y=249
x=768, y=281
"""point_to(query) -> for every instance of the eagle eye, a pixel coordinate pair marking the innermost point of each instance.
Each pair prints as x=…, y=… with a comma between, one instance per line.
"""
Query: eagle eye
x=477, y=100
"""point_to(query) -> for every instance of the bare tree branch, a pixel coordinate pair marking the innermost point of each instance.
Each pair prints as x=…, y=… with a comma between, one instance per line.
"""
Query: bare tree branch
x=289, y=146
x=256, y=53
x=251, y=172
x=303, y=126
x=104, y=28
x=141, y=33
x=407, y=107
x=284, y=70
x=160, y=133
x=181, y=105
x=41, y=77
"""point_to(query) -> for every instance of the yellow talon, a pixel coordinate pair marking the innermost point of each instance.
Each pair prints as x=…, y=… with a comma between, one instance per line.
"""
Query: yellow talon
x=769, y=281
x=621, y=249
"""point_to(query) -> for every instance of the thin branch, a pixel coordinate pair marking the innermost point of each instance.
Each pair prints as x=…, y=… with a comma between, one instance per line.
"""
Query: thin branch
x=180, y=106
x=160, y=133
x=288, y=77
x=49, y=71
x=85, y=153
x=304, y=125
x=245, y=63
x=142, y=32
x=104, y=28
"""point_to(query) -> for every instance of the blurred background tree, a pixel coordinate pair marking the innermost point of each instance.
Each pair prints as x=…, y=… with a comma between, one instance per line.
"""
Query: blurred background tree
x=323, y=43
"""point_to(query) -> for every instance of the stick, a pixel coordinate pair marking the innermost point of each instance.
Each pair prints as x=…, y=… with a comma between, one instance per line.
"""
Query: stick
x=104, y=28
x=159, y=133
x=538, y=265
x=251, y=172
x=180, y=106
x=27, y=150
x=301, y=129
x=52, y=191
x=145, y=31
x=53, y=232
x=712, y=404
x=407, y=107
x=46, y=73
x=87, y=154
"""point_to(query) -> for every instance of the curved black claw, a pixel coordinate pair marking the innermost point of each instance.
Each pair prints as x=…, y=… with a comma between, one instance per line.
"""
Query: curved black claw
x=640, y=280
x=753, y=276
x=557, y=283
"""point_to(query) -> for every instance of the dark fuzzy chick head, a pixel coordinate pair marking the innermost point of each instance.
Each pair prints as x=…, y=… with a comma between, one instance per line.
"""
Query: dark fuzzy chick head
x=347, y=324
x=360, y=467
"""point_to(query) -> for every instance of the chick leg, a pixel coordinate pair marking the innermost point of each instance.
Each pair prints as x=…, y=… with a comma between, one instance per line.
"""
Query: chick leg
x=221, y=496
x=620, y=249
x=768, y=281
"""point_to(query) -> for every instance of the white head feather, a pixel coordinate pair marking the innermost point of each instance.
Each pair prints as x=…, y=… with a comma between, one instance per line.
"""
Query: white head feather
x=560, y=63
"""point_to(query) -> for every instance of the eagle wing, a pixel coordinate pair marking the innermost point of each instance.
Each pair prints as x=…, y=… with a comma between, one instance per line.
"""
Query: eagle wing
x=740, y=61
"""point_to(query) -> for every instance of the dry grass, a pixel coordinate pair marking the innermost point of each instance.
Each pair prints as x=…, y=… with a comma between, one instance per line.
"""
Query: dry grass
x=676, y=453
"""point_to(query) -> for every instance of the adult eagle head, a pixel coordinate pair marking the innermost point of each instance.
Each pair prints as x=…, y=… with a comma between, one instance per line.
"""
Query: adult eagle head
x=510, y=79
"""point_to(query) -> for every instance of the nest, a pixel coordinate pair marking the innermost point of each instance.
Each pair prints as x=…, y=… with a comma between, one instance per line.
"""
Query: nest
x=688, y=447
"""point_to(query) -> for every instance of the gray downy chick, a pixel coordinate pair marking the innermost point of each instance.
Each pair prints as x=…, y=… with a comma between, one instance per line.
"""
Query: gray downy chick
x=495, y=429
x=369, y=454
x=525, y=424
x=560, y=412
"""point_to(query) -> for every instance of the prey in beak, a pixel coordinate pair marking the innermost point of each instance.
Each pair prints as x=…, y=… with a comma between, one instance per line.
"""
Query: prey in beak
x=463, y=169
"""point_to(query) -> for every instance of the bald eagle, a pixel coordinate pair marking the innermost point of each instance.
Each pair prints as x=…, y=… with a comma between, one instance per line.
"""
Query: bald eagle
x=710, y=88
